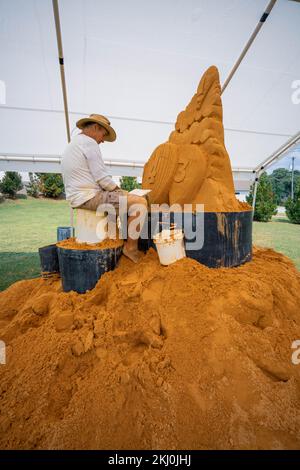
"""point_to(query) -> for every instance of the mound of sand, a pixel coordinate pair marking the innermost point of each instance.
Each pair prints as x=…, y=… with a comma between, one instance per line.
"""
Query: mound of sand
x=154, y=357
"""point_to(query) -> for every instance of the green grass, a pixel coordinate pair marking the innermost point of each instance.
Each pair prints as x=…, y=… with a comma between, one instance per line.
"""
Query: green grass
x=27, y=224
x=279, y=234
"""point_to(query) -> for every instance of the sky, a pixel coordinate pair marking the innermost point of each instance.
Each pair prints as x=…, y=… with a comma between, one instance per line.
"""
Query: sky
x=286, y=161
x=140, y=63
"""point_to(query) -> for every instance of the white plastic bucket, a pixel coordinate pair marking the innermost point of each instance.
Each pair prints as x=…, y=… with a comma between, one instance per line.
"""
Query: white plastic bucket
x=170, y=246
x=90, y=228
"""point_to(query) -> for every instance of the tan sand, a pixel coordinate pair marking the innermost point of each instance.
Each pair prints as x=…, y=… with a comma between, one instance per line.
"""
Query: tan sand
x=72, y=244
x=177, y=357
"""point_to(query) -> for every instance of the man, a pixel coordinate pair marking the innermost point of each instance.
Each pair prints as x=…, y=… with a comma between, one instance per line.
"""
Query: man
x=86, y=179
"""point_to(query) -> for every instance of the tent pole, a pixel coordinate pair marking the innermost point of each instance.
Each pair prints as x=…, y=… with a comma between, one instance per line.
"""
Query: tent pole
x=61, y=65
x=254, y=193
x=249, y=43
x=275, y=155
x=293, y=169
x=63, y=82
x=263, y=166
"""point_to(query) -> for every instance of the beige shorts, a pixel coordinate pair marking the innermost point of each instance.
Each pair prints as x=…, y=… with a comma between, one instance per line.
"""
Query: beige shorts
x=103, y=197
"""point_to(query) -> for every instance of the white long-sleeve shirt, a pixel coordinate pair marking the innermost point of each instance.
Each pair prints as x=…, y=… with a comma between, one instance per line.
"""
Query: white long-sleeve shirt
x=83, y=170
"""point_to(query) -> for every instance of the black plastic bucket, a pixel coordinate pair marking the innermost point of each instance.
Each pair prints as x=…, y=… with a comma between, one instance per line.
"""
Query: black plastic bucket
x=227, y=236
x=63, y=233
x=80, y=270
x=49, y=260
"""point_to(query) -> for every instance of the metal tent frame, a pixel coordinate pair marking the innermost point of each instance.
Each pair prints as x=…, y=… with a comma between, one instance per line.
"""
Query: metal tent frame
x=51, y=163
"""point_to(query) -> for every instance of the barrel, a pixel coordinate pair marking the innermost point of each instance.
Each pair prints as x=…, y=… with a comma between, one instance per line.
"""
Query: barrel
x=226, y=236
x=64, y=232
x=80, y=270
x=49, y=260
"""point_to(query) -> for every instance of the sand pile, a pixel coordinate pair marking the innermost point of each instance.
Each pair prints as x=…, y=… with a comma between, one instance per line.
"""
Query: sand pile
x=193, y=167
x=154, y=357
x=72, y=244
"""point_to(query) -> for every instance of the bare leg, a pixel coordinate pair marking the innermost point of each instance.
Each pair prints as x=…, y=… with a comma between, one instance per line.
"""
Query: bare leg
x=130, y=249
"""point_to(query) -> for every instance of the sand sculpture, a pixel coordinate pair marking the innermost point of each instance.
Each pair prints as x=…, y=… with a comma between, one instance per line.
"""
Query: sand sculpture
x=142, y=362
x=194, y=166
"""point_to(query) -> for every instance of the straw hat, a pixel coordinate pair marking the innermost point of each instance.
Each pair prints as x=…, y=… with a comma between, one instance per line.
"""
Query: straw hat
x=103, y=121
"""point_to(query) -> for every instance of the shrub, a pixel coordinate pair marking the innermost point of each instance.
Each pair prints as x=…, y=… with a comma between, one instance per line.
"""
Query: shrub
x=11, y=183
x=265, y=206
x=293, y=207
x=129, y=183
x=51, y=184
x=33, y=187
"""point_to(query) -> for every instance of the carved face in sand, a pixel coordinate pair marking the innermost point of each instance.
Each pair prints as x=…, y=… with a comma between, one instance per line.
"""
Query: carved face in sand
x=175, y=173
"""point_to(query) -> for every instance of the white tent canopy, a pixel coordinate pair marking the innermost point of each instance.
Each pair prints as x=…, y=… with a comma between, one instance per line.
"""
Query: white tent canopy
x=139, y=63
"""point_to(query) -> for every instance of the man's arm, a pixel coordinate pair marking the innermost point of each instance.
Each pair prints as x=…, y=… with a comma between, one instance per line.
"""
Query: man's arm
x=97, y=167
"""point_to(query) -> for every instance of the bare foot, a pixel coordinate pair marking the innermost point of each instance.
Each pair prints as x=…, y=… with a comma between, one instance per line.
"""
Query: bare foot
x=134, y=255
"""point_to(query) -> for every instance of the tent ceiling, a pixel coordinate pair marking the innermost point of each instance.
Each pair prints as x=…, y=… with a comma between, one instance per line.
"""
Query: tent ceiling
x=143, y=61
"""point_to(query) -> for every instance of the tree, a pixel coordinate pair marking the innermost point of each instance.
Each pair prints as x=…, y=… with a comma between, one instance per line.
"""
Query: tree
x=51, y=184
x=293, y=207
x=265, y=206
x=129, y=183
x=281, y=180
x=33, y=187
x=11, y=183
